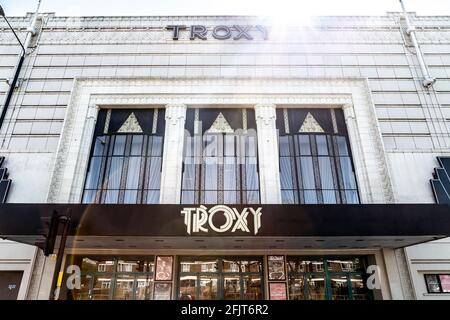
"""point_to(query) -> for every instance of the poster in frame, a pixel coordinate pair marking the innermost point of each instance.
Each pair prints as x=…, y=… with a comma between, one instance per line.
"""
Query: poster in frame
x=278, y=291
x=276, y=268
x=164, y=268
x=162, y=291
x=444, y=279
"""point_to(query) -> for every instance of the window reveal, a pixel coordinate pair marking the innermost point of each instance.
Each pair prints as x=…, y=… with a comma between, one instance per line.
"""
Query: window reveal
x=126, y=160
x=315, y=158
x=220, y=157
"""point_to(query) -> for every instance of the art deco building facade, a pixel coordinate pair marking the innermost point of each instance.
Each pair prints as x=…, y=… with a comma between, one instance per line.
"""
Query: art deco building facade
x=226, y=158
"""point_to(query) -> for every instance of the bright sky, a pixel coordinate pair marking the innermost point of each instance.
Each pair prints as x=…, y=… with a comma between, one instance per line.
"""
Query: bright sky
x=279, y=8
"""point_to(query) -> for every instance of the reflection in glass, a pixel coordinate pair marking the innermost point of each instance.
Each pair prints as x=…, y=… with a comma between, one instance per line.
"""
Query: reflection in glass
x=144, y=287
x=359, y=291
x=96, y=265
x=103, y=278
x=83, y=292
x=344, y=265
x=188, y=288
x=162, y=291
x=252, y=288
x=339, y=287
x=124, y=169
x=221, y=167
x=124, y=287
x=315, y=286
x=232, y=288
x=101, y=288
x=297, y=288
x=207, y=265
x=432, y=283
x=316, y=169
x=208, y=288
x=299, y=265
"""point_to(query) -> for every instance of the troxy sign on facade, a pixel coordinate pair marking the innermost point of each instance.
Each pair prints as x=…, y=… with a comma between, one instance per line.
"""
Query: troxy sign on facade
x=222, y=32
x=201, y=219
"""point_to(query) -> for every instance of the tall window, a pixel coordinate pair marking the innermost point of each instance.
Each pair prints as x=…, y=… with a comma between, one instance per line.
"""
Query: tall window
x=220, y=157
x=315, y=159
x=126, y=157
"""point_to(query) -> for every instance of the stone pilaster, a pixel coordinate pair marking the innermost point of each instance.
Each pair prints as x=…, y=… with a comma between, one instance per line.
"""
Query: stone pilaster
x=173, y=154
x=269, y=169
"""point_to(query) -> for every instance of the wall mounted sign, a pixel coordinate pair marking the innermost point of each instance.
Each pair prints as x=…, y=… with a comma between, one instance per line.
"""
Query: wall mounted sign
x=164, y=266
x=222, y=32
x=201, y=219
x=276, y=268
x=277, y=291
x=441, y=181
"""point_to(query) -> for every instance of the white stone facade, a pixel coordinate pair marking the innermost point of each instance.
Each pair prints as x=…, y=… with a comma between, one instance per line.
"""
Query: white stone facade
x=363, y=65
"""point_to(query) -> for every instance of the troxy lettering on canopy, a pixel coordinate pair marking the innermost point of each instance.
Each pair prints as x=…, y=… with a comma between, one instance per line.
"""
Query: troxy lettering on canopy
x=200, y=219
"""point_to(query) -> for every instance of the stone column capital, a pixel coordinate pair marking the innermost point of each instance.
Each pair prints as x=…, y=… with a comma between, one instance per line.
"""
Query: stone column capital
x=265, y=111
x=349, y=111
x=175, y=112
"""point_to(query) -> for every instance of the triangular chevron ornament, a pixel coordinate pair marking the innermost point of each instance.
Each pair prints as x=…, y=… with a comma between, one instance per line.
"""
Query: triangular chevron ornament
x=220, y=125
x=131, y=125
x=310, y=125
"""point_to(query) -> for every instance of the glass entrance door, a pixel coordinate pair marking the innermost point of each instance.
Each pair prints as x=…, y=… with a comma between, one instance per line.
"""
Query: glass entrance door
x=229, y=278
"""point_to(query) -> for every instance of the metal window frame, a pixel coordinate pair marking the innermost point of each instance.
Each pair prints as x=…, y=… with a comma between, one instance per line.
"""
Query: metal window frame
x=327, y=274
x=220, y=274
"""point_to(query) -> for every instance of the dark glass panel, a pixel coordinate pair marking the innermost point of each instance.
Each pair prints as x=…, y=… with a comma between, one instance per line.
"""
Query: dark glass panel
x=342, y=146
x=297, y=288
x=345, y=265
x=153, y=196
x=133, y=172
x=299, y=264
x=119, y=145
x=144, y=287
x=252, y=287
x=359, y=290
x=310, y=196
x=101, y=288
x=326, y=175
x=93, y=173
x=194, y=265
x=136, y=145
x=232, y=288
x=83, y=292
x=304, y=145
x=322, y=146
x=188, y=197
x=124, y=287
x=339, y=287
x=315, y=285
x=432, y=282
x=89, y=196
x=154, y=173
x=347, y=173
x=208, y=288
x=307, y=173
x=97, y=265
x=100, y=146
